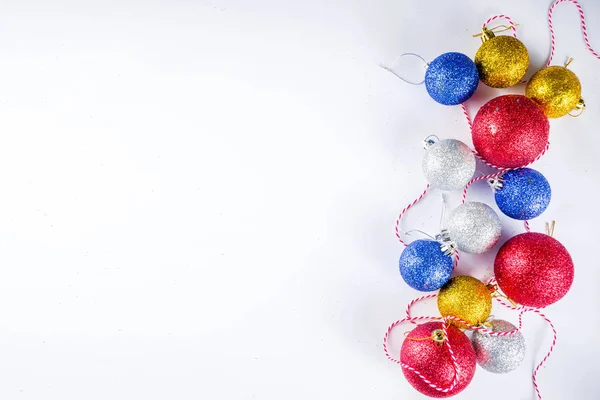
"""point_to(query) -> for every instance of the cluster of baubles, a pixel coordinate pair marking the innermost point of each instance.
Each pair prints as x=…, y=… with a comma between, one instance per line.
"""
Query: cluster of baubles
x=532, y=269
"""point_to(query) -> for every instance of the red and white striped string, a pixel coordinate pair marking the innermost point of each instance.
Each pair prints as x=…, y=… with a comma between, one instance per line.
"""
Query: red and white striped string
x=404, y=211
x=583, y=29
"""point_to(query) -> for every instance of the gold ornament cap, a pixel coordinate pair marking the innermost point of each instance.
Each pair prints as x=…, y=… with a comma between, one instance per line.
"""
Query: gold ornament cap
x=556, y=90
x=466, y=298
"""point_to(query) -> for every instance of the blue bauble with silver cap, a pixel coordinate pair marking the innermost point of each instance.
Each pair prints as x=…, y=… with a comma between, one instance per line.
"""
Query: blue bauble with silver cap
x=522, y=193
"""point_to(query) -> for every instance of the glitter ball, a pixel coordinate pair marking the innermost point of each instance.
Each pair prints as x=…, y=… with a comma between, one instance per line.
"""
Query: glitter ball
x=448, y=164
x=510, y=131
x=534, y=269
x=433, y=360
x=474, y=227
x=502, y=61
x=499, y=354
x=556, y=89
x=525, y=194
x=466, y=298
x=424, y=266
x=451, y=78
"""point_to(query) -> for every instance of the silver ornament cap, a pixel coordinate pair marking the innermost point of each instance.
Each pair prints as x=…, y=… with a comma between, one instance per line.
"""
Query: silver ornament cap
x=448, y=164
x=474, y=227
x=499, y=354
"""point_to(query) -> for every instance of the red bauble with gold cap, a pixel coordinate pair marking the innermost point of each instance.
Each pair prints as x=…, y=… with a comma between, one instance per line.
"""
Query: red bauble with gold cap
x=434, y=362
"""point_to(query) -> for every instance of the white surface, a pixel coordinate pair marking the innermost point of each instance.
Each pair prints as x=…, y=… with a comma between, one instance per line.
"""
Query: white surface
x=198, y=199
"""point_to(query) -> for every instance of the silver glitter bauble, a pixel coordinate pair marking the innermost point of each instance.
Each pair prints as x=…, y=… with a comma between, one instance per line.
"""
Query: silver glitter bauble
x=499, y=354
x=448, y=164
x=474, y=227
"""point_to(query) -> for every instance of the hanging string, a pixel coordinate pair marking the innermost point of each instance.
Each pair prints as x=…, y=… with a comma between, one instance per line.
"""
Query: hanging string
x=583, y=29
x=513, y=26
x=398, y=74
x=527, y=228
x=534, y=377
x=479, y=178
x=403, y=212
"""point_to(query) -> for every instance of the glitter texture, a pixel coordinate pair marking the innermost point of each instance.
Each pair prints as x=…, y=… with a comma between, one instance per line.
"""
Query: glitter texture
x=510, y=131
x=451, y=79
x=502, y=61
x=524, y=195
x=534, y=269
x=499, y=354
x=424, y=266
x=557, y=90
x=466, y=298
x=474, y=227
x=434, y=362
x=448, y=164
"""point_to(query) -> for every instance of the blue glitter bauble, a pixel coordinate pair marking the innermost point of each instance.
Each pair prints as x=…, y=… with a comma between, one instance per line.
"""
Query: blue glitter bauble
x=451, y=79
x=424, y=266
x=524, y=195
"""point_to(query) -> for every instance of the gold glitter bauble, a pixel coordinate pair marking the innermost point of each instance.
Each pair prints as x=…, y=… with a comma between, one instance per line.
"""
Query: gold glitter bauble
x=502, y=61
x=466, y=298
x=556, y=89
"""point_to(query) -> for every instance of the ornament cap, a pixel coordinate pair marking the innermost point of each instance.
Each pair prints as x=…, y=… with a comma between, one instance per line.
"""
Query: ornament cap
x=496, y=183
x=446, y=244
x=438, y=336
x=487, y=34
x=430, y=141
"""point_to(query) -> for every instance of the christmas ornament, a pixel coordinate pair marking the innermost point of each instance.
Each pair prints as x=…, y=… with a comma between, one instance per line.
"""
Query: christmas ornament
x=499, y=354
x=466, y=298
x=522, y=193
x=448, y=164
x=451, y=78
x=556, y=90
x=501, y=61
x=534, y=269
x=424, y=266
x=432, y=359
x=510, y=131
x=474, y=227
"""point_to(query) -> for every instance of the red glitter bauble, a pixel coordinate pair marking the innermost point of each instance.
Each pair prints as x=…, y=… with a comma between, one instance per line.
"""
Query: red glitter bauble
x=433, y=360
x=510, y=131
x=534, y=269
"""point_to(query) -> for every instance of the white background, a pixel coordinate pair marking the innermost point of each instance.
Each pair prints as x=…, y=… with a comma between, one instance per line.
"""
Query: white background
x=198, y=197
